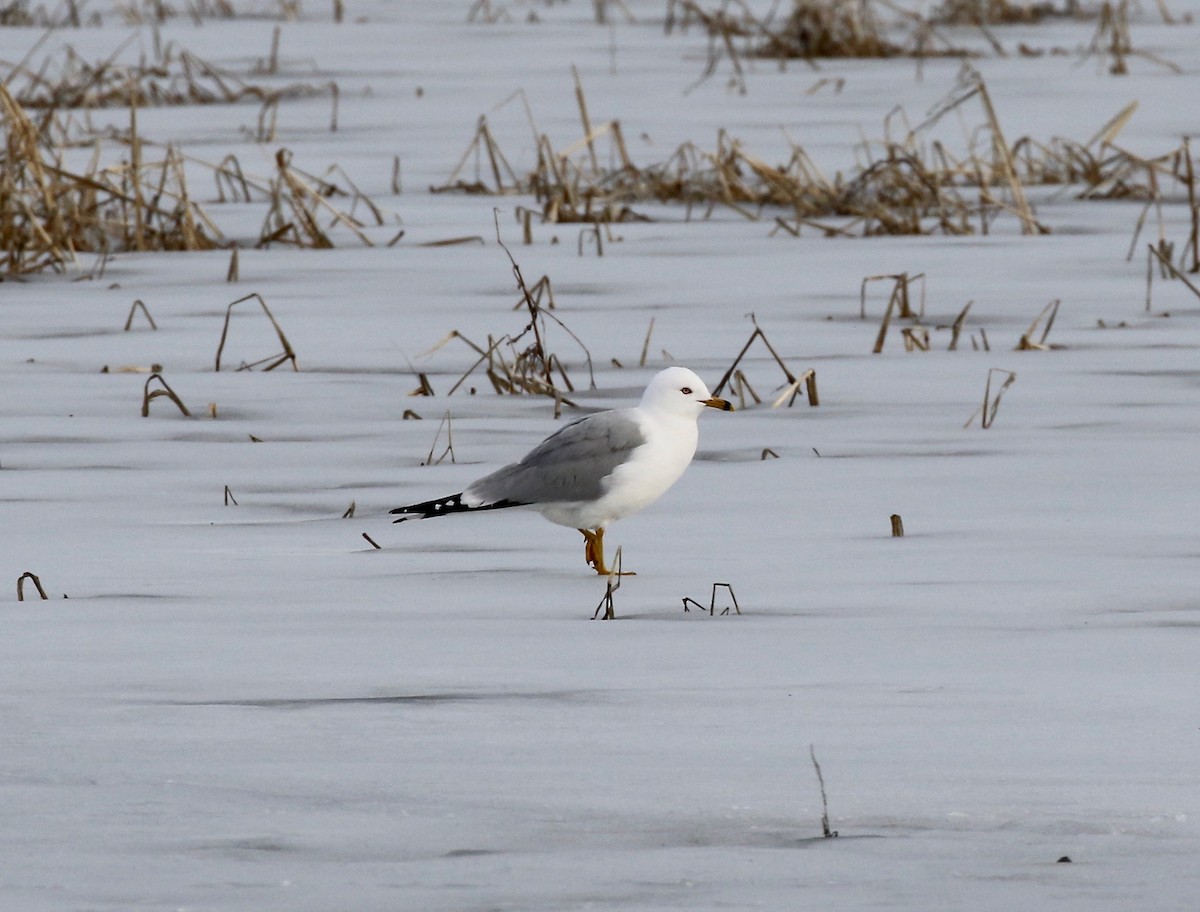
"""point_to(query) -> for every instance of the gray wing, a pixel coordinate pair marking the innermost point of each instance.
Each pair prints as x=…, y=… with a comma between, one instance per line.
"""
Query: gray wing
x=569, y=465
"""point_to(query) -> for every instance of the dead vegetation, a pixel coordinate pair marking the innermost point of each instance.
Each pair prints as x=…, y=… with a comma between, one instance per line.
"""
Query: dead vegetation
x=815, y=30
x=906, y=183
x=37, y=584
x=711, y=608
x=986, y=413
x=49, y=213
x=810, y=30
x=175, y=76
x=75, y=13
x=1006, y=12
x=163, y=390
x=521, y=363
x=271, y=361
x=739, y=384
x=57, y=201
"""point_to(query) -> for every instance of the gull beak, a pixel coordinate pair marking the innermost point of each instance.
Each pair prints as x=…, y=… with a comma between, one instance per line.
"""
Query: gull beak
x=723, y=404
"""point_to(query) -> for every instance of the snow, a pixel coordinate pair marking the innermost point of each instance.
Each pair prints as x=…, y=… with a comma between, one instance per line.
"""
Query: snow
x=248, y=707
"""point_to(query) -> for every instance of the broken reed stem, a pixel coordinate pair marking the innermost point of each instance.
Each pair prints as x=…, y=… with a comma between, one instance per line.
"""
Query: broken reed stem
x=897, y=526
x=757, y=334
x=1049, y=312
x=1193, y=205
x=288, y=353
x=166, y=390
x=1167, y=264
x=138, y=304
x=883, y=326
x=956, y=328
x=585, y=120
x=825, y=828
x=36, y=582
x=135, y=171
x=534, y=322
x=449, y=451
x=612, y=585
x=646, y=343
x=1029, y=225
x=990, y=406
x=712, y=599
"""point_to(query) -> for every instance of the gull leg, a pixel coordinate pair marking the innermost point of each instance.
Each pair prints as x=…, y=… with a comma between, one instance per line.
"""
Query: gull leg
x=592, y=544
x=593, y=552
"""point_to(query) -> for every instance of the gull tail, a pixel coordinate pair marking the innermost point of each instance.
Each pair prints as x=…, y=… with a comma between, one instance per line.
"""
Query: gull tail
x=444, y=506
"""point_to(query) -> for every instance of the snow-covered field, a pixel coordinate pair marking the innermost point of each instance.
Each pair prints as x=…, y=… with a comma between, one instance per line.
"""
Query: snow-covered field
x=248, y=707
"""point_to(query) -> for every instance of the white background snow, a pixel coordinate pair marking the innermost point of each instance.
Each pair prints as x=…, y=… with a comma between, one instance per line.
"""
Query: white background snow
x=250, y=708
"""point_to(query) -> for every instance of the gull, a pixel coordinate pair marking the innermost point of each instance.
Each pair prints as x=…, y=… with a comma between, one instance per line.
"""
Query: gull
x=598, y=468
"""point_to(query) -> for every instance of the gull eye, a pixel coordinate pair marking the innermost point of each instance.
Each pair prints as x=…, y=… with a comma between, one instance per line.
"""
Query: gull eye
x=687, y=390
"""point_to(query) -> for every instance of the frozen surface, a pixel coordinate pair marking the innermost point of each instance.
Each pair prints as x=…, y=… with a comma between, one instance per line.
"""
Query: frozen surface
x=247, y=707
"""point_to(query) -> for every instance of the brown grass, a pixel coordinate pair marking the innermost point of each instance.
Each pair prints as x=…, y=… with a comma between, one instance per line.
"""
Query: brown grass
x=50, y=213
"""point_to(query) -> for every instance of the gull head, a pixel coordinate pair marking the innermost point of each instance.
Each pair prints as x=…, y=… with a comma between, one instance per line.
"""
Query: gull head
x=678, y=391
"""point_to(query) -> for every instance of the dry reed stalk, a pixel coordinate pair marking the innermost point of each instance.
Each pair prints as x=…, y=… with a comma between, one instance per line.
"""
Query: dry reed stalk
x=809, y=381
x=1193, y=204
x=646, y=343
x=1165, y=262
x=991, y=405
x=1113, y=37
x=482, y=11
x=1026, y=343
x=33, y=577
x=916, y=338
x=826, y=831
x=739, y=385
x=425, y=388
x=483, y=143
x=229, y=498
x=899, y=303
x=793, y=383
x=899, y=293
x=612, y=584
x=541, y=290
x=449, y=450
x=956, y=327
x=139, y=304
x=455, y=241
x=971, y=85
x=538, y=350
x=148, y=395
x=275, y=360
x=712, y=601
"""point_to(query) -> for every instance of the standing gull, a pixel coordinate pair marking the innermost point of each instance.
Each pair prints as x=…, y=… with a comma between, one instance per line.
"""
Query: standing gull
x=598, y=468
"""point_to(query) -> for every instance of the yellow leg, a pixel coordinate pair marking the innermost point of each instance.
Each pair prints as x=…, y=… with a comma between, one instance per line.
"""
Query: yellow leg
x=593, y=552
